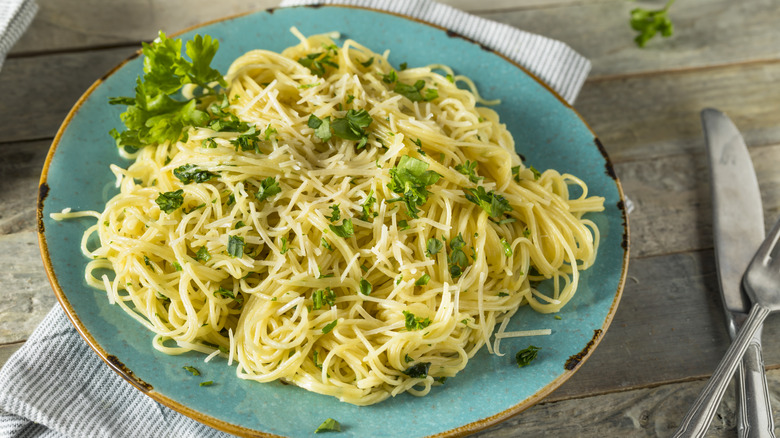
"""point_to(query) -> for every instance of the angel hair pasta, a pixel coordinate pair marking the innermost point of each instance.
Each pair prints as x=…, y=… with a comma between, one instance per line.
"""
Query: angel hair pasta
x=321, y=218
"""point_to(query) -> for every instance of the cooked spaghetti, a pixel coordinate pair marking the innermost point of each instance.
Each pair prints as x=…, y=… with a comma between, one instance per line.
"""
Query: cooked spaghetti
x=355, y=230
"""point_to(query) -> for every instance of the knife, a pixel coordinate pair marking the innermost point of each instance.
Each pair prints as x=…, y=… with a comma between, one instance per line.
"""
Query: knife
x=738, y=226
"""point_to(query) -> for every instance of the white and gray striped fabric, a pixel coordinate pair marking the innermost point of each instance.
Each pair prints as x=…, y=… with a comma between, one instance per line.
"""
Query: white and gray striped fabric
x=56, y=386
x=15, y=16
x=552, y=61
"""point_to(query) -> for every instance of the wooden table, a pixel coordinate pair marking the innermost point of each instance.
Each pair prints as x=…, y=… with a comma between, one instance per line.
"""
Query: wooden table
x=644, y=104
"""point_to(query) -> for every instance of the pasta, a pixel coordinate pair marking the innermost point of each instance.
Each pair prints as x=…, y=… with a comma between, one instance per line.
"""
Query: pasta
x=364, y=237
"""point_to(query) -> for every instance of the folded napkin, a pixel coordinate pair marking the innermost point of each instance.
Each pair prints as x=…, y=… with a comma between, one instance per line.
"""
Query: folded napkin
x=55, y=385
x=15, y=16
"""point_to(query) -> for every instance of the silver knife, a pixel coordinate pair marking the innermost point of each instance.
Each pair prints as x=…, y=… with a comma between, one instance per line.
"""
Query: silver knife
x=738, y=226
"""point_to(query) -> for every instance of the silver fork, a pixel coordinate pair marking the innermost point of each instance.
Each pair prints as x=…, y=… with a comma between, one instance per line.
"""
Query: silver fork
x=762, y=284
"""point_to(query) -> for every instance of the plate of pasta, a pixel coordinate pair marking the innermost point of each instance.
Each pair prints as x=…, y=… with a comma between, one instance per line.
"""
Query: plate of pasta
x=333, y=218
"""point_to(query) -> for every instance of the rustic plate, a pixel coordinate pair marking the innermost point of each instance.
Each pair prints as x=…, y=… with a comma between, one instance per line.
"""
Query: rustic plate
x=549, y=133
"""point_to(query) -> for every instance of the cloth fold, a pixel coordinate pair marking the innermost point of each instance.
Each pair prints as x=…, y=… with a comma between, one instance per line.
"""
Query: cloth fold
x=15, y=16
x=56, y=386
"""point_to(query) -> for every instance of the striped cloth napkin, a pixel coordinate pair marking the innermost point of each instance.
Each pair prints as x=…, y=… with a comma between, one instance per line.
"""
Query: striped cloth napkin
x=56, y=386
x=15, y=16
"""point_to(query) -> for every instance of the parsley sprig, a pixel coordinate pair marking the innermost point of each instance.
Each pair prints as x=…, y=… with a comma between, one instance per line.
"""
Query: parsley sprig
x=411, y=178
x=494, y=204
x=651, y=22
x=153, y=115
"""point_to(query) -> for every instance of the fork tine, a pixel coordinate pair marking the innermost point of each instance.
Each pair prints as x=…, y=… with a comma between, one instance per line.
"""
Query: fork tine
x=766, y=248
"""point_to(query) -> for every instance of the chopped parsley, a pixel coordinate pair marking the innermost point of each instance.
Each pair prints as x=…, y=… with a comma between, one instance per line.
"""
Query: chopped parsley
x=415, y=92
x=321, y=127
x=457, y=259
x=346, y=229
x=326, y=244
x=284, y=245
x=411, y=178
x=322, y=297
x=422, y=281
x=526, y=356
x=329, y=425
x=247, y=141
x=414, y=322
x=177, y=266
x=494, y=204
x=433, y=246
x=327, y=329
x=335, y=213
x=469, y=168
x=206, y=383
x=268, y=187
x=507, y=247
x=350, y=127
x=318, y=62
x=368, y=207
x=194, y=371
x=226, y=293
x=368, y=62
x=235, y=246
x=170, y=201
x=189, y=173
x=418, y=370
x=202, y=254
x=365, y=287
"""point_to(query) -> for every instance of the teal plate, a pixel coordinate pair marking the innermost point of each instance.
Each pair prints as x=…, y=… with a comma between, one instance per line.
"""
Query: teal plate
x=549, y=134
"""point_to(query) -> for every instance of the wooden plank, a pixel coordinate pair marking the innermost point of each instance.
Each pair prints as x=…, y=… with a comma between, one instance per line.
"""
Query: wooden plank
x=656, y=115
x=77, y=24
x=20, y=166
x=27, y=296
x=39, y=91
x=706, y=33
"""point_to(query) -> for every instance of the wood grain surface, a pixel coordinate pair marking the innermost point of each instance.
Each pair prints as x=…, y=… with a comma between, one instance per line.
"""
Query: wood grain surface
x=644, y=104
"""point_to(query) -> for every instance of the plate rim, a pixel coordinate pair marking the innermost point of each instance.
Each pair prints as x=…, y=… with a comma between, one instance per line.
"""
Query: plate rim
x=117, y=366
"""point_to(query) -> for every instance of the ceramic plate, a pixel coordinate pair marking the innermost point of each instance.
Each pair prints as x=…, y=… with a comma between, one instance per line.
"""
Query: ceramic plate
x=548, y=132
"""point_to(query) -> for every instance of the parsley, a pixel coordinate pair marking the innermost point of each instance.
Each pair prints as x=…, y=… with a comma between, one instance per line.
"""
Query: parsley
x=305, y=86
x=248, y=140
x=344, y=230
x=152, y=115
x=457, y=260
x=403, y=66
x=170, y=201
x=330, y=424
x=268, y=187
x=411, y=178
x=202, y=254
x=422, y=281
x=403, y=225
x=335, y=215
x=450, y=78
x=231, y=199
x=495, y=205
x=365, y=287
x=536, y=173
x=516, y=173
x=434, y=246
x=350, y=127
x=194, y=371
x=350, y=98
x=390, y=77
x=329, y=327
x=321, y=127
x=368, y=207
x=190, y=173
x=507, y=247
x=225, y=293
x=469, y=168
x=418, y=370
x=648, y=23
x=235, y=246
x=146, y=261
x=323, y=296
x=284, y=245
x=368, y=62
x=177, y=266
x=317, y=62
x=526, y=356
x=269, y=133
x=325, y=243
x=206, y=383
x=414, y=322
x=413, y=92
x=315, y=359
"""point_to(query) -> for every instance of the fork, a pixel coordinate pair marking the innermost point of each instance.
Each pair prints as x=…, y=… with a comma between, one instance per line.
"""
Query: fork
x=762, y=284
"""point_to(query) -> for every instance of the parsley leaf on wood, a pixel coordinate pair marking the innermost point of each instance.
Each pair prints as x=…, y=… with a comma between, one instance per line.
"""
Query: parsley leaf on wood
x=170, y=201
x=649, y=23
x=410, y=178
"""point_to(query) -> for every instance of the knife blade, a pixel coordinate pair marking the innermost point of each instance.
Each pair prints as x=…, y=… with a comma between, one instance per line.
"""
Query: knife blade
x=738, y=227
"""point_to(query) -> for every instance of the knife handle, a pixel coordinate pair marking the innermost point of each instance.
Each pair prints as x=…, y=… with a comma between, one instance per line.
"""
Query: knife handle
x=754, y=406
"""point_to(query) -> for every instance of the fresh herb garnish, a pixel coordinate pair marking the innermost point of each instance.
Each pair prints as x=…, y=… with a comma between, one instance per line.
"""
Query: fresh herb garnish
x=189, y=173
x=202, y=254
x=321, y=127
x=414, y=322
x=344, y=230
x=368, y=62
x=329, y=425
x=323, y=296
x=526, y=356
x=469, y=168
x=648, y=23
x=411, y=178
x=494, y=204
x=284, y=245
x=268, y=187
x=350, y=127
x=326, y=244
x=365, y=287
x=247, y=141
x=457, y=259
x=368, y=207
x=170, y=201
x=414, y=92
x=422, y=281
x=235, y=246
x=433, y=246
x=194, y=371
x=226, y=293
x=507, y=247
x=329, y=327
x=152, y=115
x=317, y=62
x=418, y=370
x=335, y=213
x=206, y=383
